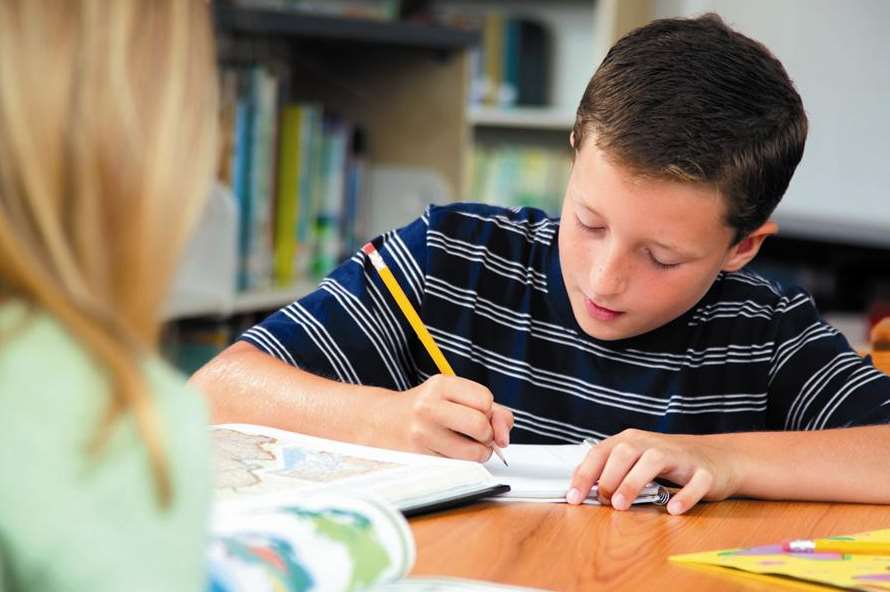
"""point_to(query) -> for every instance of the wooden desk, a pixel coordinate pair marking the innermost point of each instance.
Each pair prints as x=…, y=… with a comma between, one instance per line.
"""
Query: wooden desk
x=562, y=547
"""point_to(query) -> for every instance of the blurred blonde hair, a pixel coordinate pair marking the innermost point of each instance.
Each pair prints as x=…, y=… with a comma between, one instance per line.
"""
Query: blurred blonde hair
x=107, y=144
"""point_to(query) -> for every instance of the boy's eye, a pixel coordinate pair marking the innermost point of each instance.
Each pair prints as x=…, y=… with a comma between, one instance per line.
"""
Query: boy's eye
x=659, y=264
x=587, y=227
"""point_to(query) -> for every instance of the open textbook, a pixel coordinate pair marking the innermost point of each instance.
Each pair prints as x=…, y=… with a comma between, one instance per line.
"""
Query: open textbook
x=324, y=544
x=542, y=473
x=270, y=465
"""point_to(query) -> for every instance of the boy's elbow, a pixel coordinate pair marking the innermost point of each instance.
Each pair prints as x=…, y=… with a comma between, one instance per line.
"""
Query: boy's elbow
x=217, y=379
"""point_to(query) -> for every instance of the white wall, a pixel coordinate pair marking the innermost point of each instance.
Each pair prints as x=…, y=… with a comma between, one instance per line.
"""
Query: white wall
x=838, y=54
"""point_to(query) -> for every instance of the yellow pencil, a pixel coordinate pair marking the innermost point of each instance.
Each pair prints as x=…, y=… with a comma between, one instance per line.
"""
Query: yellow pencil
x=837, y=546
x=414, y=319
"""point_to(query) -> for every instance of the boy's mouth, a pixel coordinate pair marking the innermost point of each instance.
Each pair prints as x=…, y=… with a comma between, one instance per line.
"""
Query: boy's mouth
x=601, y=313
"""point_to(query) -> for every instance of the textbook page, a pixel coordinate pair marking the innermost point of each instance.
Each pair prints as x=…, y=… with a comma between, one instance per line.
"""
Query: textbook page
x=543, y=472
x=323, y=544
x=327, y=543
x=269, y=465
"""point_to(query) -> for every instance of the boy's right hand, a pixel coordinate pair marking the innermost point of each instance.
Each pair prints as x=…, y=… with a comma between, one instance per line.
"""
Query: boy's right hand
x=448, y=416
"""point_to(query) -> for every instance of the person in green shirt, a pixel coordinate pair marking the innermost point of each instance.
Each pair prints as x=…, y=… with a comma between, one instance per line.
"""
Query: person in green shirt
x=107, y=149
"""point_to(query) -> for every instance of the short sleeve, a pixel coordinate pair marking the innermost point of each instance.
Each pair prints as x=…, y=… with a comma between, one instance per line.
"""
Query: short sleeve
x=816, y=379
x=350, y=329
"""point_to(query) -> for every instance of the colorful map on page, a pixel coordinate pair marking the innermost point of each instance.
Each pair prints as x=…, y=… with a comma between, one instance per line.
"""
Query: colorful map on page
x=256, y=463
x=855, y=572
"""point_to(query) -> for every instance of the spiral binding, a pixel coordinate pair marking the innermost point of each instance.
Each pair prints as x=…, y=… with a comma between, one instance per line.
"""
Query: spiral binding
x=663, y=496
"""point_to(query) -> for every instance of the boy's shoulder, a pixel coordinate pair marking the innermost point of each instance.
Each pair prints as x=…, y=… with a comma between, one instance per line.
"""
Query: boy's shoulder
x=749, y=295
x=753, y=285
x=483, y=223
x=470, y=213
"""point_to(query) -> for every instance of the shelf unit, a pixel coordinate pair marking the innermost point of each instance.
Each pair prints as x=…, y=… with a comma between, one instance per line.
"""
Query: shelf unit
x=531, y=118
x=404, y=83
x=257, y=21
x=225, y=305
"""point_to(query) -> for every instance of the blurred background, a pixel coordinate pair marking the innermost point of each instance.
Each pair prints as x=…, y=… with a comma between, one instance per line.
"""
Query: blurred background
x=343, y=119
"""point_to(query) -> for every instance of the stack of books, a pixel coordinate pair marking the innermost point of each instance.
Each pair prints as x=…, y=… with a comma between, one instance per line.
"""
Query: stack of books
x=296, y=170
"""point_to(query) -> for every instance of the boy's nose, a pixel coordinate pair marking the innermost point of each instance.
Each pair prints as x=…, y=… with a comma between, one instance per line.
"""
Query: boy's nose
x=608, y=277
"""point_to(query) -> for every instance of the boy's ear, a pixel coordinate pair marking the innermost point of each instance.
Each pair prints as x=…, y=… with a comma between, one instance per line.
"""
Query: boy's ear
x=740, y=254
x=572, y=139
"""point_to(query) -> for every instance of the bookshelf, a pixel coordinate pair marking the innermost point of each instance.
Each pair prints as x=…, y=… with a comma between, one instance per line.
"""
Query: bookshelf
x=402, y=83
x=259, y=21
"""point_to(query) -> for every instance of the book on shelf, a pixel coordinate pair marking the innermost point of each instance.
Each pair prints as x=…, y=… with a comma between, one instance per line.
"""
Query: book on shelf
x=255, y=190
x=511, y=65
x=519, y=176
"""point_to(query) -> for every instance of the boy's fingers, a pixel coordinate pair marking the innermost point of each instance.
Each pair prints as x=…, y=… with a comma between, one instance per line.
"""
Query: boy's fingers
x=621, y=459
x=651, y=464
x=468, y=393
x=502, y=423
x=587, y=473
x=453, y=445
x=463, y=420
x=695, y=489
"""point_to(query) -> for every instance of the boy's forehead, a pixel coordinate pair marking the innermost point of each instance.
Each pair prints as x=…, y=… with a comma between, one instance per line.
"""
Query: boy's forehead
x=679, y=215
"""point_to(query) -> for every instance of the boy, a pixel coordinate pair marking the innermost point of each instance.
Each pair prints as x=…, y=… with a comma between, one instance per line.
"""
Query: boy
x=628, y=321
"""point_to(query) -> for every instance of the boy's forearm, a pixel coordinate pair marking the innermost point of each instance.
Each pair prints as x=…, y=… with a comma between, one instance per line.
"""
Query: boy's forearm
x=848, y=464
x=246, y=385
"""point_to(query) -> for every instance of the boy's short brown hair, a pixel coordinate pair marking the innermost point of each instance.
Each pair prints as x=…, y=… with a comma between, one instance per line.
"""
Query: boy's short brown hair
x=693, y=100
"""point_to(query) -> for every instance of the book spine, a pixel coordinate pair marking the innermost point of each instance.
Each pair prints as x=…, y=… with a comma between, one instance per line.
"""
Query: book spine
x=309, y=165
x=244, y=124
x=492, y=39
x=329, y=247
x=288, y=195
x=509, y=87
x=259, y=257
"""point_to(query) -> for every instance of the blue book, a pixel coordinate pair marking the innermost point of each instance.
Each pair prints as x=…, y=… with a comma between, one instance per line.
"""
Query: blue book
x=241, y=177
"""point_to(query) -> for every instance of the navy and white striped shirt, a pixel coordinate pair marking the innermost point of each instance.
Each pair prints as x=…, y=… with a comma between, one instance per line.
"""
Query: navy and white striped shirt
x=750, y=355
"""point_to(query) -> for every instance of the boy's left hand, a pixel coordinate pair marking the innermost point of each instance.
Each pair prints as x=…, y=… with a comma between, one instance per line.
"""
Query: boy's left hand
x=623, y=464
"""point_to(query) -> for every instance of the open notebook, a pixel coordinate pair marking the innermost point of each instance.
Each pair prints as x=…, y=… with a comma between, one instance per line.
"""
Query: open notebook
x=542, y=473
x=270, y=465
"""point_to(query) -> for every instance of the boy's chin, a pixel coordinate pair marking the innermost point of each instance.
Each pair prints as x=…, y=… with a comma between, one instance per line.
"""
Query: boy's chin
x=610, y=331
x=610, y=335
